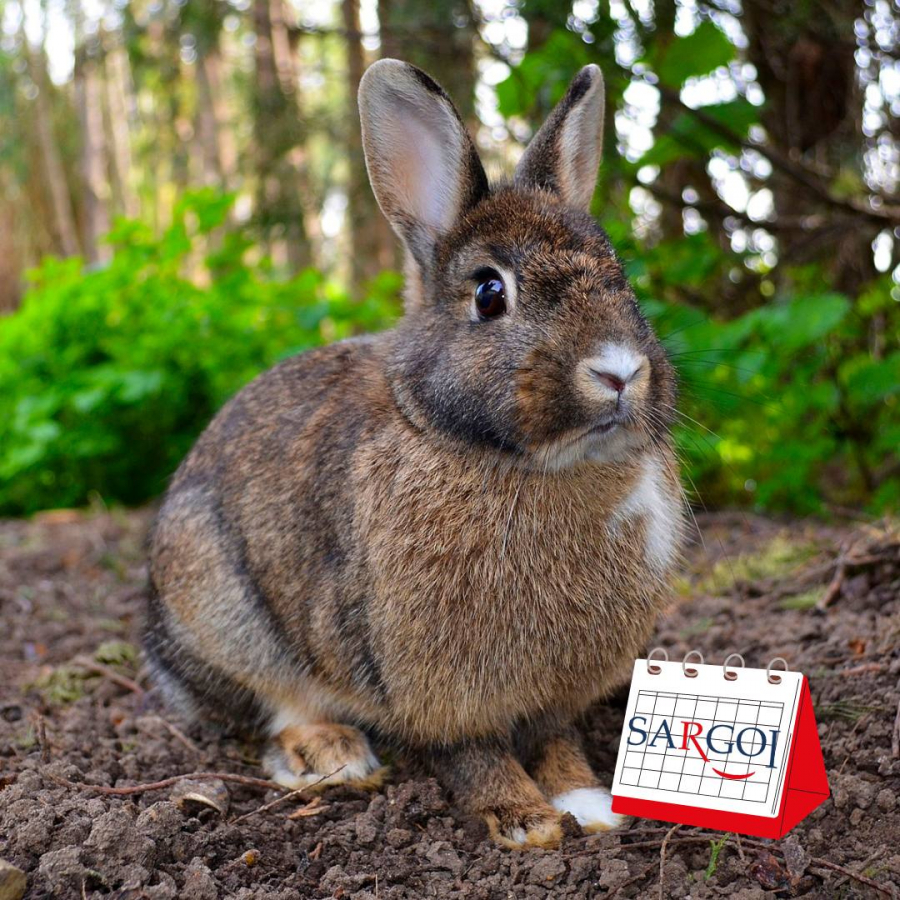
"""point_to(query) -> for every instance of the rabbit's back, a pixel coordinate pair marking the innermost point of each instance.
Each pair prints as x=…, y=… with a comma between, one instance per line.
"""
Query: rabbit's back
x=254, y=571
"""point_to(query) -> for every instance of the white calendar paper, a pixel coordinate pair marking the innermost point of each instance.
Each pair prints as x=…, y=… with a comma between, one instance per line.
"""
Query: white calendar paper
x=707, y=742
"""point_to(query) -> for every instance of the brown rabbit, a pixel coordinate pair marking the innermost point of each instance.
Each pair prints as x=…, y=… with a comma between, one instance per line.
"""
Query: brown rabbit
x=456, y=533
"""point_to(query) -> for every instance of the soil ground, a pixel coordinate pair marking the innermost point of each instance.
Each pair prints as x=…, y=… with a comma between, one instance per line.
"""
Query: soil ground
x=76, y=718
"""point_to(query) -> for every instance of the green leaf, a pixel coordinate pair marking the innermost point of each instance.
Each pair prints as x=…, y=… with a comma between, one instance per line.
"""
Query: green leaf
x=541, y=78
x=689, y=137
x=698, y=53
x=869, y=381
x=802, y=322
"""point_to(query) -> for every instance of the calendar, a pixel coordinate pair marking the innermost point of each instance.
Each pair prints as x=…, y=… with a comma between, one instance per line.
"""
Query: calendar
x=735, y=749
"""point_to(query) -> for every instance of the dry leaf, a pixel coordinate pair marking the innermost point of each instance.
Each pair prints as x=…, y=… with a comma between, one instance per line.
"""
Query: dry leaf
x=212, y=793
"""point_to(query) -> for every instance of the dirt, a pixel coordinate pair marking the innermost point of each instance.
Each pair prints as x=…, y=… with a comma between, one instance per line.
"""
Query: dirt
x=72, y=588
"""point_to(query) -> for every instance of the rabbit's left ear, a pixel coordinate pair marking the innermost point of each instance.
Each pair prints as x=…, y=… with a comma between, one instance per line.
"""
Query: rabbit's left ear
x=563, y=157
x=422, y=164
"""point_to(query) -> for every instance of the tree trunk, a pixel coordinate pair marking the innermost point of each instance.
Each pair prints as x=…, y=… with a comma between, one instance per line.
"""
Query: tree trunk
x=10, y=263
x=219, y=151
x=93, y=156
x=371, y=242
x=64, y=228
x=117, y=96
x=278, y=139
x=805, y=64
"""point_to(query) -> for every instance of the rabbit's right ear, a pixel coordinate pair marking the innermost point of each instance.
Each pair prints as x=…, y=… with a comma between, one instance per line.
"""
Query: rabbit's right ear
x=422, y=164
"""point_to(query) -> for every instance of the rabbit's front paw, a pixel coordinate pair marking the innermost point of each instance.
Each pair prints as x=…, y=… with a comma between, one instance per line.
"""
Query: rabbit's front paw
x=519, y=828
x=323, y=754
x=592, y=807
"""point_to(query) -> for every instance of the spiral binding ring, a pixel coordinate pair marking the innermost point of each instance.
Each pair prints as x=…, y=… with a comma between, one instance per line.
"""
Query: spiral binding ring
x=775, y=679
x=655, y=670
x=732, y=676
x=691, y=673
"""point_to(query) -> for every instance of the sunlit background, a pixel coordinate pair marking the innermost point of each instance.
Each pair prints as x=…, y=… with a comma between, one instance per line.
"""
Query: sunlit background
x=183, y=201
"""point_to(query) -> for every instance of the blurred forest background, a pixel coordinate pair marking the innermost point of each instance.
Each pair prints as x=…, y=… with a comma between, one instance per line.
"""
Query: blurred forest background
x=183, y=201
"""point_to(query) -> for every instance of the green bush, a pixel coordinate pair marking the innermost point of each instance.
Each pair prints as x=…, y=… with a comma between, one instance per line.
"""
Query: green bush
x=108, y=375
x=784, y=406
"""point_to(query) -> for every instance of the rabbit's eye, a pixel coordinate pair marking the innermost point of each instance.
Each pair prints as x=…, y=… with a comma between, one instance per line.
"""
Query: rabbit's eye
x=490, y=296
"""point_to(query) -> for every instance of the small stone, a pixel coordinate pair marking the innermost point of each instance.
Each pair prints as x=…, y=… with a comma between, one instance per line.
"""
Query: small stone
x=886, y=799
x=250, y=858
x=199, y=883
x=190, y=794
x=796, y=859
x=161, y=821
x=442, y=856
x=366, y=829
x=614, y=873
x=857, y=817
x=546, y=870
x=398, y=837
x=12, y=881
x=63, y=870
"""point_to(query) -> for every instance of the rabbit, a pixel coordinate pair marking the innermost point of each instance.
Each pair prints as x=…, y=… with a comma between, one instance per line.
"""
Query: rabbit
x=455, y=534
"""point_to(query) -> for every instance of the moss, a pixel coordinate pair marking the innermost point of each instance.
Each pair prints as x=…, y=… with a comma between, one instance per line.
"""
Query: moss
x=778, y=558
x=114, y=653
x=62, y=685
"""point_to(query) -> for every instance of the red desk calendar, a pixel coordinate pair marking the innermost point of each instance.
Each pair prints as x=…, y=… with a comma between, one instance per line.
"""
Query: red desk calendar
x=734, y=750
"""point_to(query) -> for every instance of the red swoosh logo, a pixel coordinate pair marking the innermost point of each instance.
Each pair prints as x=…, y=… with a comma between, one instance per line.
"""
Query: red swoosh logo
x=733, y=777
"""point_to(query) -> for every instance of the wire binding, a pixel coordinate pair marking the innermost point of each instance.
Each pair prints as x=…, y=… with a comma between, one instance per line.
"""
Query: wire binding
x=691, y=673
x=775, y=679
x=732, y=676
x=655, y=670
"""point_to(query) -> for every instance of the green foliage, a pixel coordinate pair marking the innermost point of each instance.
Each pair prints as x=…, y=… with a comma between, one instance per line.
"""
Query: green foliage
x=689, y=138
x=783, y=405
x=108, y=375
x=541, y=79
x=699, y=53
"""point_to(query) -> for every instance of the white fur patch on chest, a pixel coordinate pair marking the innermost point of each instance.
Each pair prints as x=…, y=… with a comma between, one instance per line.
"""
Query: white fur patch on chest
x=651, y=501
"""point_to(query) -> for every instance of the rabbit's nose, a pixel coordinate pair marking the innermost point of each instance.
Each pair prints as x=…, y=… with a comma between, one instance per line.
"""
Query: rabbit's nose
x=614, y=368
x=608, y=379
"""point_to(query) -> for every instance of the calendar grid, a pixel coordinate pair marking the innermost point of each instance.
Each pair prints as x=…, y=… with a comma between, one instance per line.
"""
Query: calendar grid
x=675, y=770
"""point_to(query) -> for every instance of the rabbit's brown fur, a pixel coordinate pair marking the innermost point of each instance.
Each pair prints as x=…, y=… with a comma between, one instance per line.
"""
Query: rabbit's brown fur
x=420, y=532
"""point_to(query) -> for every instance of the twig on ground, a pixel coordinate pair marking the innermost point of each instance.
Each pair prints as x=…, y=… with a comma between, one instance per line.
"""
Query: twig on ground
x=108, y=673
x=168, y=782
x=41, y=735
x=895, y=735
x=289, y=796
x=177, y=733
x=863, y=669
x=887, y=890
x=856, y=876
x=662, y=857
x=837, y=583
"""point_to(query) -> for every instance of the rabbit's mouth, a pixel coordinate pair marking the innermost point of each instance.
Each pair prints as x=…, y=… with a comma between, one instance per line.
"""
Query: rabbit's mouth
x=607, y=441
x=602, y=428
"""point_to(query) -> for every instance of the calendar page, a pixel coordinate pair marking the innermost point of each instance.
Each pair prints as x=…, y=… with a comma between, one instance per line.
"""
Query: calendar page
x=707, y=742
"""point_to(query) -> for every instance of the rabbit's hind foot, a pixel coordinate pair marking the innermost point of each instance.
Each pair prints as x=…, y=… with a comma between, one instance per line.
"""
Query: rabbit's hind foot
x=592, y=807
x=562, y=772
x=518, y=827
x=319, y=755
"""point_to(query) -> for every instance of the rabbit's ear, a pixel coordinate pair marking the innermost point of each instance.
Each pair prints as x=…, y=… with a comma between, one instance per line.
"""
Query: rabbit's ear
x=422, y=164
x=563, y=157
